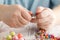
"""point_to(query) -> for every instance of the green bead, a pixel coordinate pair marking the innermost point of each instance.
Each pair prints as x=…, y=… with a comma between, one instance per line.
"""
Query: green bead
x=12, y=33
x=8, y=37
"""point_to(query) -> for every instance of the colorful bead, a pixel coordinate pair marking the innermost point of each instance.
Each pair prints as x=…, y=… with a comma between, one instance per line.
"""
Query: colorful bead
x=44, y=36
x=12, y=33
x=15, y=38
x=55, y=38
x=51, y=36
x=41, y=35
x=21, y=39
x=8, y=37
x=20, y=35
x=12, y=36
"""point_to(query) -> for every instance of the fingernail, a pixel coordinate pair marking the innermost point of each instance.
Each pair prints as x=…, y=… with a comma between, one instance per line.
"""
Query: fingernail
x=38, y=11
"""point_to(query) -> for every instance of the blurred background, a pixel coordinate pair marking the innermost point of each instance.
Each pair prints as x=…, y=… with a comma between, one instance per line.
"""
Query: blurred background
x=32, y=5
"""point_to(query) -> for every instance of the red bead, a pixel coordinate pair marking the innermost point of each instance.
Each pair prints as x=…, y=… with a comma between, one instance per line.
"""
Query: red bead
x=51, y=36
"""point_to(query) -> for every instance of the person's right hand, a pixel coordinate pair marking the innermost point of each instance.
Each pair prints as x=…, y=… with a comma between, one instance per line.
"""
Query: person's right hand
x=14, y=15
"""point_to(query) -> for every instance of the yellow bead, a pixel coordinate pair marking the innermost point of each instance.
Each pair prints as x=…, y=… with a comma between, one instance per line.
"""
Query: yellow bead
x=8, y=37
x=12, y=33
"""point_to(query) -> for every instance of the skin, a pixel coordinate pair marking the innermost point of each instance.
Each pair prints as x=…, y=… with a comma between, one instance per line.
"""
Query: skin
x=14, y=15
x=45, y=17
x=18, y=16
x=56, y=11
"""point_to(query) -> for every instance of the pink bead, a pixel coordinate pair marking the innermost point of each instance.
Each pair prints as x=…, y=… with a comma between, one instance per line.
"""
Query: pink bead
x=21, y=39
x=15, y=38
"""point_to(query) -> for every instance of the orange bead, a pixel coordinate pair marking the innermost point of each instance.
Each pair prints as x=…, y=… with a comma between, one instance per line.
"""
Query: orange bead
x=46, y=36
x=55, y=38
x=20, y=35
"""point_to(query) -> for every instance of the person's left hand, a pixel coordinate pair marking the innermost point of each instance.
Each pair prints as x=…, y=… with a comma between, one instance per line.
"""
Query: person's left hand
x=44, y=17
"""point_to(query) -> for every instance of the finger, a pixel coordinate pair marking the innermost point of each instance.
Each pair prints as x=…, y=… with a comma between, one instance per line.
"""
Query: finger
x=48, y=18
x=28, y=11
x=44, y=25
x=25, y=14
x=39, y=10
x=45, y=22
x=42, y=12
x=17, y=22
x=21, y=19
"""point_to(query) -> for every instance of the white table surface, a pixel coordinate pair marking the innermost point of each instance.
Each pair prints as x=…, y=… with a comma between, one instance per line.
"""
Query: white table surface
x=28, y=31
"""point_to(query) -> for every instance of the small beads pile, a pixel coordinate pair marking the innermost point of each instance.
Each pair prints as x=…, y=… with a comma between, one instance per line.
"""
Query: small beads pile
x=42, y=35
x=13, y=36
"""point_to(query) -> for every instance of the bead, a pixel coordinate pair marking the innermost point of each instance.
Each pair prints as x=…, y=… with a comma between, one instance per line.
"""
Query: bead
x=12, y=33
x=22, y=39
x=55, y=38
x=8, y=37
x=58, y=38
x=20, y=35
x=46, y=36
x=51, y=36
x=15, y=38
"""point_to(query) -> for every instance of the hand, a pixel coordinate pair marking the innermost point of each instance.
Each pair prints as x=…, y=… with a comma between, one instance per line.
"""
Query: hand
x=14, y=15
x=44, y=17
